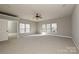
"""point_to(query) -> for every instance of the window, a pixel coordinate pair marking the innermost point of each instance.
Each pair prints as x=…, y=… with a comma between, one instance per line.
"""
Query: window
x=27, y=28
x=24, y=28
x=54, y=27
x=49, y=27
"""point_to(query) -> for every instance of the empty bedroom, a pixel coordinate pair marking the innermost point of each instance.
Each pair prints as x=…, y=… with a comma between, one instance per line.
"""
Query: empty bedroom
x=39, y=29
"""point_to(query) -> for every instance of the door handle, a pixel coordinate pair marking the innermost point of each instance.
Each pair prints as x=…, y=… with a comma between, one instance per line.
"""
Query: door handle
x=6, y=30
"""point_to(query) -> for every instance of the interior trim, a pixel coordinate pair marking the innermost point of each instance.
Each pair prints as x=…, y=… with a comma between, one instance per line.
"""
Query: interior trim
x=7, y=14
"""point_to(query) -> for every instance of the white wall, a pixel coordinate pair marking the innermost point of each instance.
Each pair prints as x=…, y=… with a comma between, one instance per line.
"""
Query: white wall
x=64, y=25
x=75, y=26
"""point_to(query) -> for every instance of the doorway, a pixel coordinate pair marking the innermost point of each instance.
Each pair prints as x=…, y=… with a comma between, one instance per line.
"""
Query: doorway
x=12, y=29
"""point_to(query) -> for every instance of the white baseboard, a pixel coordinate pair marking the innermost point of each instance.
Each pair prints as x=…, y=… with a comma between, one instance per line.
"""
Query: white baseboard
x=64, y=36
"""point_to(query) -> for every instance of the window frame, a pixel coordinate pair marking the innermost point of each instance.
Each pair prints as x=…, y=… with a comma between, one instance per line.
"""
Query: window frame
x=25, y=31
x=49, y=30
x=20, y=28
x=27, y=28
x=55, y=26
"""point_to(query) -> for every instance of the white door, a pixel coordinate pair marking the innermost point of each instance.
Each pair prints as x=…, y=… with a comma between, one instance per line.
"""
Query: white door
x=3, y=30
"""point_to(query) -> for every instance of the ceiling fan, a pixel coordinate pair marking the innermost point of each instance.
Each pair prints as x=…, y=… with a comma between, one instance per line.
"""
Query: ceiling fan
x=38, y=16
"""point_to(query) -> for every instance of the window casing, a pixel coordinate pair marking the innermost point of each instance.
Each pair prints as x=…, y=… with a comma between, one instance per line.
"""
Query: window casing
x=54, y=27
x=49, y=27
x=27, y=30
x=24, y=28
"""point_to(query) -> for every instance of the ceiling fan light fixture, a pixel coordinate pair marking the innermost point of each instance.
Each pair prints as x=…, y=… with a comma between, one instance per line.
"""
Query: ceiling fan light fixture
x=38, y=16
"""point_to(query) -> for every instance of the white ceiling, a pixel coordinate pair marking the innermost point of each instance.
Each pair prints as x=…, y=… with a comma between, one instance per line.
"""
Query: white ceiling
x=48, y=11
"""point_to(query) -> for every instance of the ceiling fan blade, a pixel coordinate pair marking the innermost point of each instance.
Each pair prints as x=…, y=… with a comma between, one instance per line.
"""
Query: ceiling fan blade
x=37, y=16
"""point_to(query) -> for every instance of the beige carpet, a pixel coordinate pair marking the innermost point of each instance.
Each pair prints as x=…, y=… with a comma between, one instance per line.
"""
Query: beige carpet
x=38, y=45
